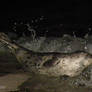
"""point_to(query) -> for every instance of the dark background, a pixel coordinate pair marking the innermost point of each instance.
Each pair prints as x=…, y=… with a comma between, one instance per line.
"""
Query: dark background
x=74, y=15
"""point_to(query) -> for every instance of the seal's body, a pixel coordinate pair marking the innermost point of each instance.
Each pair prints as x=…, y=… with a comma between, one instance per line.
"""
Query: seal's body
x=55, y=64
x=51, y=64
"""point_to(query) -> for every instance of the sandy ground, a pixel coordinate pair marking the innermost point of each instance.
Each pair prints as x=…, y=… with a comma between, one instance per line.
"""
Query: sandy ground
x=11, y=82
x=11, y=74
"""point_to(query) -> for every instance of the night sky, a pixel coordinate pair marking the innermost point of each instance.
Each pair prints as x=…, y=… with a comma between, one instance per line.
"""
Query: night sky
x=66, y=12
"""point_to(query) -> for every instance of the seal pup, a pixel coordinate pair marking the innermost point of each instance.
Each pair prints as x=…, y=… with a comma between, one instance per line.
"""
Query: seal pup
x=50, y=64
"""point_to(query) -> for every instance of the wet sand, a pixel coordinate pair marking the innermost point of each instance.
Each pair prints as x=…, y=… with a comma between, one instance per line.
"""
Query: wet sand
x=11, y=82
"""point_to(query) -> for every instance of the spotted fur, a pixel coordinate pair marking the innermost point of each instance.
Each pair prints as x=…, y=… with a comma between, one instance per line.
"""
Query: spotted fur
x=51, y=64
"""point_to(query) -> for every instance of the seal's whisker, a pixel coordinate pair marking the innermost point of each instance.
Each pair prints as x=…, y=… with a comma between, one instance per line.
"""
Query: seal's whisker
x=3, y=45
